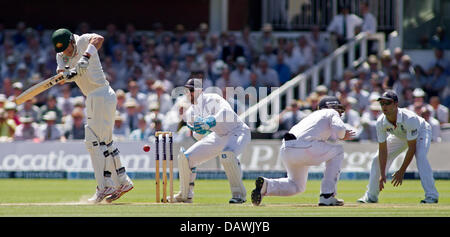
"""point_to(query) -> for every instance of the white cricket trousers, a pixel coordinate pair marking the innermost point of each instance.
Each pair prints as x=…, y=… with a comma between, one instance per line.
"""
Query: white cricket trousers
x=395, y=147
x=100, y=110
x=297, y=159
x=213, y=145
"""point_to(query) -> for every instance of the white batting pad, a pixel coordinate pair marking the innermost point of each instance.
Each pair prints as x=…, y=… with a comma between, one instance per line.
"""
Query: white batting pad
x=115, y=164
x=97, y=158
x=234, y=174
x=185, y=173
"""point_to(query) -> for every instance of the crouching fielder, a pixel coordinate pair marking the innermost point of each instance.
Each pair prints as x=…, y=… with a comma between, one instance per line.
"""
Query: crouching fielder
x=78, y=59
x=398, y=130
x=227, y=138
x=305, y=145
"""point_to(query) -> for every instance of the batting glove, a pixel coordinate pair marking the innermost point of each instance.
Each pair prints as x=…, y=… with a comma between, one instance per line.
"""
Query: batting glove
x=69, y=74
x=82, y=65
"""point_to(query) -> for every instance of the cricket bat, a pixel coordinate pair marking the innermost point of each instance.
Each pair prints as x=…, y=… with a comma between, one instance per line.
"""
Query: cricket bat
x=39, y=88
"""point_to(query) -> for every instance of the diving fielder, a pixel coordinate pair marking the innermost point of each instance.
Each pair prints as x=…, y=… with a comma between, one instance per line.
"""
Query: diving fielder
x=306, y=145
x=78, y=59
x=220, y=132
x=400, y=129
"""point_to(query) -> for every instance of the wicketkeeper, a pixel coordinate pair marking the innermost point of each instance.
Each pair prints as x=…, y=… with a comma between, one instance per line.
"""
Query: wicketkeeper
x=78, y=59
x=220, y=132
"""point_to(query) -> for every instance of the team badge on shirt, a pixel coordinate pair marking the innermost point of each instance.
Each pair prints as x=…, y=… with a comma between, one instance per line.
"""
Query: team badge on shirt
x=65, y=59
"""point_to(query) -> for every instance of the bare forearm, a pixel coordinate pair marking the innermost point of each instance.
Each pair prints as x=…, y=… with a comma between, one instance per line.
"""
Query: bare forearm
x=409, y=155
x=382, y=160
x=408, y=158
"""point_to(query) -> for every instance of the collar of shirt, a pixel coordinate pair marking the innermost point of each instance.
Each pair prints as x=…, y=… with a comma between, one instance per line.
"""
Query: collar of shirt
x=399, y=119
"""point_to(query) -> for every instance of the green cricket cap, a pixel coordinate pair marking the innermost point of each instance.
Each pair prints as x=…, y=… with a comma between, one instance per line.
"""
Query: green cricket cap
x=61, y=39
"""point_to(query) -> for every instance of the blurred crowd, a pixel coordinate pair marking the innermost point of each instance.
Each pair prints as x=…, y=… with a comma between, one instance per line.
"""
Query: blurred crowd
x=422, y=90
x=144, y=66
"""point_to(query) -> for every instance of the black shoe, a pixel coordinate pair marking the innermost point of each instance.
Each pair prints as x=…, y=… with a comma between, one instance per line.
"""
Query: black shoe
x=429, y=200
x=256, y=193
x=236, y=201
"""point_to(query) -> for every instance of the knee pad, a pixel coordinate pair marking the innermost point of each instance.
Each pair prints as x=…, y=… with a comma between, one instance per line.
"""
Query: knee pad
x=97, y=148
x=115, y=155
x=99, y=157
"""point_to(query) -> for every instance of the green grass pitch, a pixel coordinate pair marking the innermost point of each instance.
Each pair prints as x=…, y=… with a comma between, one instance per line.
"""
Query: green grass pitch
x=67, y=198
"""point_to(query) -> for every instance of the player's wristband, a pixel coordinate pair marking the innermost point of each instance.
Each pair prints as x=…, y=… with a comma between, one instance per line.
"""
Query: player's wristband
x=91, y=49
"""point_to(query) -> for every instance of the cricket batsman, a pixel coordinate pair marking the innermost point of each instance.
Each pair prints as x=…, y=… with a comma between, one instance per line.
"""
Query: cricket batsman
x=79, y=61
x=220, y=132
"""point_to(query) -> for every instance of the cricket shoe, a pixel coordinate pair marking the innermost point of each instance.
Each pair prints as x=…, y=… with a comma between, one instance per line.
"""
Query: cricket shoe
x=429, y=200
x=331, y=201
x=237, y=200
x=257, y=195
x=124, y=188
x=101, y=194
x=179, y=199
x=366, y=199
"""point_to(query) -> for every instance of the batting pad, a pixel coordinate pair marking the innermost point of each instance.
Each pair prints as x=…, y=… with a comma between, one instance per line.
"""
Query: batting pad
x=115, y=154
x=99, y=157
x=233, y=171
x=185, y=173
x=114, y=163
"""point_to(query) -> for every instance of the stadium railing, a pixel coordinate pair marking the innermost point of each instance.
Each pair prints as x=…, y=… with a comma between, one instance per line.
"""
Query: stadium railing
x=332, y=66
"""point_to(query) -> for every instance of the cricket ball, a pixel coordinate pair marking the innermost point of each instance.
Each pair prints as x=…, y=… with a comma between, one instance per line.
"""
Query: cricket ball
x=146, y=148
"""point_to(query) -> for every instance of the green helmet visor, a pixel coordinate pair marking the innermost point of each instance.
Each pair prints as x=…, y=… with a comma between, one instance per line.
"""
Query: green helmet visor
x=61, y=39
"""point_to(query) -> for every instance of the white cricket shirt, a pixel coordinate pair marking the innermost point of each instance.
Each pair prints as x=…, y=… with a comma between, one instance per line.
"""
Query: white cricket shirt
x=95, y=77
x=210, y=104
x=319, y=126
x=407, y=128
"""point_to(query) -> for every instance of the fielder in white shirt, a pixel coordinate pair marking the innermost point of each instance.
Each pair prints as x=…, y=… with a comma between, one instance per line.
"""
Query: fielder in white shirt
x=78, y=59
x=220, y=132
x=400, y=129
x=306, y=145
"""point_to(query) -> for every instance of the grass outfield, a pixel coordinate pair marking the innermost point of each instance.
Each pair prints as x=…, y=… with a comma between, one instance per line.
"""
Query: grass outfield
x=67, y=198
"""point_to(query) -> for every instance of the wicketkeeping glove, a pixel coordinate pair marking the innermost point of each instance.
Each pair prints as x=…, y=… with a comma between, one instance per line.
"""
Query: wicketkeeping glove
x=202, y=125
x=199, y=131
x=82, y=65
